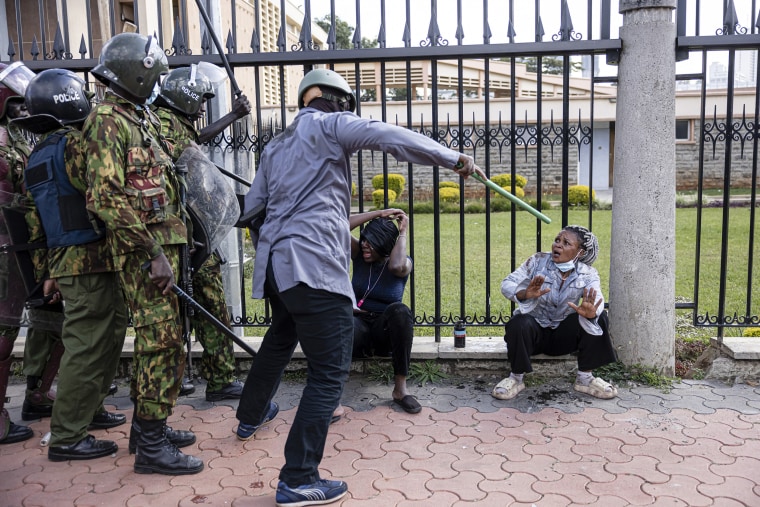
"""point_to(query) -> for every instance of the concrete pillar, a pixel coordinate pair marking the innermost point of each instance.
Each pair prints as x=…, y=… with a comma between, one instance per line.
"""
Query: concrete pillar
x=642, y=266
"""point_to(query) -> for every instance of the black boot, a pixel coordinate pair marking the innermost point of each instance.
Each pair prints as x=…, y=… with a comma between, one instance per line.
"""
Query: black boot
x=186, y=388
x=87, y=448
x=40, y=396
x=155, y=454
x=177, y=437
x=9, y=432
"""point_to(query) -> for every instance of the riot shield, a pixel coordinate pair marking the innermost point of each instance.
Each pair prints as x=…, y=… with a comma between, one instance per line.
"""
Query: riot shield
x=22, y=301
x=12, y=287
x=211, y=203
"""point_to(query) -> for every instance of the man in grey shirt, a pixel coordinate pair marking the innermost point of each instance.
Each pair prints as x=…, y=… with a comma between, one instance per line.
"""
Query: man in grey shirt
x=301, y=199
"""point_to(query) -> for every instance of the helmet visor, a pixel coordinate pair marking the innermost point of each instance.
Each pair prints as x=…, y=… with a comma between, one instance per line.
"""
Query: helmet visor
x=214, y=73
x=16, y=77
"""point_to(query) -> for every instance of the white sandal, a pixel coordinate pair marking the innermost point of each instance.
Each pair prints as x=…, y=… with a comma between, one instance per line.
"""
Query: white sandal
x=507, y=389
x=598, y=388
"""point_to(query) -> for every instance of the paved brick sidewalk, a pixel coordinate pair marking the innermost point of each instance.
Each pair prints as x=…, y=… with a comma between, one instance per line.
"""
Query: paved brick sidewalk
x=698, y=445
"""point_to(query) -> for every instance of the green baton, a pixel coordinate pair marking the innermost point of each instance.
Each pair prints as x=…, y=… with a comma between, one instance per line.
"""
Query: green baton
x=496, y=188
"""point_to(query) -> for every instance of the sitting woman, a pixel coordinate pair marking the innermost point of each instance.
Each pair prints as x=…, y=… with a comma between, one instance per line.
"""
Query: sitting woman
x=383, y=325
x=549, y=319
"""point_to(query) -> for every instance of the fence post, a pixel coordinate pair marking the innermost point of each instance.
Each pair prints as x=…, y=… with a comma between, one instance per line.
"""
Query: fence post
x=642, y=255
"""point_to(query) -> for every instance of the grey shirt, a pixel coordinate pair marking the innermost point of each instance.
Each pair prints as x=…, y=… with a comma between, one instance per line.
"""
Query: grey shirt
x=304, y=179
x=551, y=309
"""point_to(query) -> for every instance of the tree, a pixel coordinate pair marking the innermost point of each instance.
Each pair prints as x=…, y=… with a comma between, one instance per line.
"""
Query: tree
x=549, y=64
x=343, y=33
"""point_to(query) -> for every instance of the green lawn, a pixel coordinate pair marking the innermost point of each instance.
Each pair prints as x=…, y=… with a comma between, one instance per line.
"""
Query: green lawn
x=482, y=293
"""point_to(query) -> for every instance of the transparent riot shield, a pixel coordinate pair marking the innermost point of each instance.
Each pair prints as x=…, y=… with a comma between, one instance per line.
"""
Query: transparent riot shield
x=211, y=202
x=12, y=288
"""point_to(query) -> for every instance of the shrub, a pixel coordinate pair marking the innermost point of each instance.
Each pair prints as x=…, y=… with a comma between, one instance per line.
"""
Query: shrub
x=353, y=189
x=751, y=331
x=475, y=207
x=519, y=192
x=449, y=194
x=423, y=207
x=449, y=207
x=396, y=182
x=505, y=181
x=449, y=184
x=577, y=195
x=544, y=204
x=501, y=204
x=378, y=197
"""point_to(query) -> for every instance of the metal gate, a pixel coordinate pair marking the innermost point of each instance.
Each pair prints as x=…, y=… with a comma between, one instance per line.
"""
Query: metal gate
x=496, y=80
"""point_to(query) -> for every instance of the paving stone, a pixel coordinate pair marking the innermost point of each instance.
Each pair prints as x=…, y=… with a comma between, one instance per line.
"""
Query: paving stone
x=696, y=444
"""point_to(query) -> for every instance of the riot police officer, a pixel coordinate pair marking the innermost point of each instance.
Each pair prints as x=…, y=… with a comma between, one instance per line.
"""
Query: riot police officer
x=184, y=92
x=43, y=348
x=135, y=193
x=78, y=265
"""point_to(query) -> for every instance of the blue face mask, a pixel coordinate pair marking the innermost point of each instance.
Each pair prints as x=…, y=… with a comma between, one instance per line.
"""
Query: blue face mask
x=567, y=266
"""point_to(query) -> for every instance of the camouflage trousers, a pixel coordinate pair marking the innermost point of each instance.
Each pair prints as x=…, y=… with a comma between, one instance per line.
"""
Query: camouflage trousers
x=159, y=357
x=217, y=364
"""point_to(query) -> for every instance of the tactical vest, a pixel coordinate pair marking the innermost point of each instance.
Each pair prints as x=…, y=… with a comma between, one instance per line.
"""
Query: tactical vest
x=146, y=170
x=62, y=208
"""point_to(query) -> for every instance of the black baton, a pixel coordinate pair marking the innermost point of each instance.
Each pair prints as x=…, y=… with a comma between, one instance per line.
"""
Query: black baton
x=235, y=88
x=184, y=296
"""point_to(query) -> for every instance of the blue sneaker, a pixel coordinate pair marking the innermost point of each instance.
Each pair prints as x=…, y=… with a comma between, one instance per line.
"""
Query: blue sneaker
x=319, y=493
x=246, y=431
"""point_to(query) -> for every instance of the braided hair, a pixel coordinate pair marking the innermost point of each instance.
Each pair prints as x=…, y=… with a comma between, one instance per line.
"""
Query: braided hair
x=588, y=243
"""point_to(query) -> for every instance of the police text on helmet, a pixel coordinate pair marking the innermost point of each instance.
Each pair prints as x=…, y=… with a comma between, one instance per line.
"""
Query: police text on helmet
x=71, y=95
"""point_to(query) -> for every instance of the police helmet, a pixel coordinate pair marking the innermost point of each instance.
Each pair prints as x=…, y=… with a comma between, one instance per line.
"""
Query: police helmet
x=185, y=88
x=329, y=79
x=14, y=79
x=133, y=62
x=59, y=93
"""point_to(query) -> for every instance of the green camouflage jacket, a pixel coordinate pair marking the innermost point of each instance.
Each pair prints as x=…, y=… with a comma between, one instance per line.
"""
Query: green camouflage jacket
x=178, y=129
x=14, y=151
x=73, y=260
x=133, y=187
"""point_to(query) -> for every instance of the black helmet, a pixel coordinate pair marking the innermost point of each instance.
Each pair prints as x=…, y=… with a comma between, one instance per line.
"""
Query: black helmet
x=55, y=97
x=185, y=88
x=14, y=79
x=326, y=78
x=133, y=62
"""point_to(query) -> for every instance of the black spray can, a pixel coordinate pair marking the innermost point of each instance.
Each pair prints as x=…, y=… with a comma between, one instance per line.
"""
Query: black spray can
x=460, y=334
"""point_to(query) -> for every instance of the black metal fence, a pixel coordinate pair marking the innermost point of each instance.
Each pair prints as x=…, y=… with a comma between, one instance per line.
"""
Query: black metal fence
x=543, y=132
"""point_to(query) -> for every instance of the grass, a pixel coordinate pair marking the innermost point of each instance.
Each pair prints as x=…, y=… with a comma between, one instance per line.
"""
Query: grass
x=484, y=265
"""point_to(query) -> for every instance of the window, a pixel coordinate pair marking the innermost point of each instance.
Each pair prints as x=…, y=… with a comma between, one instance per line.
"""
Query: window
x=683, y=130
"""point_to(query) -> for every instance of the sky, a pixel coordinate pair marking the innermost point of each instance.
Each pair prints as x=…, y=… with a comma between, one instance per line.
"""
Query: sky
x=498, y=18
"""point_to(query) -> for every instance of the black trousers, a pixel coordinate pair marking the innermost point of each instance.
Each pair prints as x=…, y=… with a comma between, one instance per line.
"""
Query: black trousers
x=320, y=322
x=526, y=338
x=385, y=334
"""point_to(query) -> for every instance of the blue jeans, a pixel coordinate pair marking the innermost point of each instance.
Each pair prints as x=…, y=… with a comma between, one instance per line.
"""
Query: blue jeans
x=322, y=322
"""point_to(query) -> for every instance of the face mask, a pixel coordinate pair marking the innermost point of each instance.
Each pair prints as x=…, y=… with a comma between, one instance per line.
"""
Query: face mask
x=567, y=266
x=153, y=95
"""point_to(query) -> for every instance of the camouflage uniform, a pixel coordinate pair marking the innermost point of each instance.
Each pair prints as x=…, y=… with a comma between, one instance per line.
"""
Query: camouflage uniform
x=218, y=359
x=95, y=320
x=43, y=348
x=134, y=192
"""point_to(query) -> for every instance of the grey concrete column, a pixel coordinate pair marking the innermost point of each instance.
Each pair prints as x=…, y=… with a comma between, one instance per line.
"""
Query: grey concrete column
x=642, y=265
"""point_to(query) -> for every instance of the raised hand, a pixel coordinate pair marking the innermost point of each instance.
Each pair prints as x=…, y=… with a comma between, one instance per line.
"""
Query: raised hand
x=589, y=304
